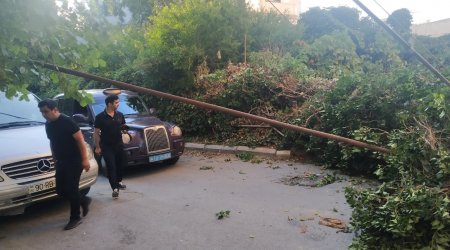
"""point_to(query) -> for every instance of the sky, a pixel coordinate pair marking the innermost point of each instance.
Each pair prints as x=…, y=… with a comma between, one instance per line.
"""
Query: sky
x=422, y=10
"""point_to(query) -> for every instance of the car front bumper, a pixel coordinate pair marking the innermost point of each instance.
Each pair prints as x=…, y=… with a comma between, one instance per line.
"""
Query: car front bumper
x=136, y=157
x=14, y=198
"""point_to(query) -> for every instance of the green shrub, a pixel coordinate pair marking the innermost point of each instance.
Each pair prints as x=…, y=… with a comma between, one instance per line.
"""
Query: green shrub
x=414, y=159
x=410, y=210
x=404, y=216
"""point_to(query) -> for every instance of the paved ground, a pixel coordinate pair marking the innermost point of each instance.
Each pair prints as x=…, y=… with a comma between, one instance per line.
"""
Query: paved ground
x=174, y=207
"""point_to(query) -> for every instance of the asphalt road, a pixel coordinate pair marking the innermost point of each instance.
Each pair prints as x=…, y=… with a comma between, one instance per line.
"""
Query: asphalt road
x=175, y=207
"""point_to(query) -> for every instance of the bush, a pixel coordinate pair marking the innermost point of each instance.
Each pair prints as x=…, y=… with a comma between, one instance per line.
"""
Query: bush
x=406, y=216
x=410, y=210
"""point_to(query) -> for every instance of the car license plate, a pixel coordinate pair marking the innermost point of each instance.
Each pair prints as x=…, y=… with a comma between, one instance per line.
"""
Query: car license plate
x=41, y=186
x=160, y=157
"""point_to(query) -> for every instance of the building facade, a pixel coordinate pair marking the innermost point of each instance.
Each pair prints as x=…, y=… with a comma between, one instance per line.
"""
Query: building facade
x=433, y=29
x=290, y=8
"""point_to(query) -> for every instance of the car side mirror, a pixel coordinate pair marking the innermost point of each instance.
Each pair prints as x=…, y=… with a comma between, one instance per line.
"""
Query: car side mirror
x=80, y=118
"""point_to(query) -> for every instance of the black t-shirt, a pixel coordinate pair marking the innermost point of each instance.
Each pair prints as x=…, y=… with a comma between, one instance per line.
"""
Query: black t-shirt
x=60, y=133
x=111, y=128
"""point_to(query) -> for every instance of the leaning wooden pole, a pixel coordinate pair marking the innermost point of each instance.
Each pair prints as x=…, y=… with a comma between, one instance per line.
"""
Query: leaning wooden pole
x=204, y=105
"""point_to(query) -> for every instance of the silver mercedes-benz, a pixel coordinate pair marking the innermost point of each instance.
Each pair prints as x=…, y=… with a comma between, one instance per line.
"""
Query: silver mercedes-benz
x=27, y=172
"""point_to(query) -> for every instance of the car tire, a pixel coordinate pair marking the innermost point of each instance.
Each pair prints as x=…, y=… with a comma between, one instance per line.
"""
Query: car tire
x=172, y=160
x=85, y=191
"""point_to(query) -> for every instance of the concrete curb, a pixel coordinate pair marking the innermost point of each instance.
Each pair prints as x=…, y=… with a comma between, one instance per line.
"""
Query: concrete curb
x=261, y=151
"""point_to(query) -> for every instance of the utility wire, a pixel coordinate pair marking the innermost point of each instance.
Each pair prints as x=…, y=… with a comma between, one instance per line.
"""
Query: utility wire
x=379, y=5
x=403, y=42
x=414, y=39
x=275, y=7
x=279, y=11
x=423, y=60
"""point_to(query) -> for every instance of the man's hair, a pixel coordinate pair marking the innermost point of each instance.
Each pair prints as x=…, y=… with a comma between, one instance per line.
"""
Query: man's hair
x=111, y=99
x=51, y=104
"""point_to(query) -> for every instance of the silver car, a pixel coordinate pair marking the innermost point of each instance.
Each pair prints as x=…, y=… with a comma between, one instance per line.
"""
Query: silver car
x=27, y=172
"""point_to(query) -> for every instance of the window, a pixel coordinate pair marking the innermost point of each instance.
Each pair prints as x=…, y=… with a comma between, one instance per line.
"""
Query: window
x=66, y=106
x=17, y=110
x=77, y=109
x=128, y=105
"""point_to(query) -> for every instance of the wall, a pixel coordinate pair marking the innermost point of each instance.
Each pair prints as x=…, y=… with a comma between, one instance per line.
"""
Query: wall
x=290, y=8
x=433, y=29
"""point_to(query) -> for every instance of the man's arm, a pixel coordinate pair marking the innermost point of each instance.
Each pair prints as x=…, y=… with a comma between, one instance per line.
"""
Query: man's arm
x=78, y=136
x=98, y=150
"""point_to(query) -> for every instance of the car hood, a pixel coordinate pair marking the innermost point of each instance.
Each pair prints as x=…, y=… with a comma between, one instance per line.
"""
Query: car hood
x=23, y=143
x=142, y=121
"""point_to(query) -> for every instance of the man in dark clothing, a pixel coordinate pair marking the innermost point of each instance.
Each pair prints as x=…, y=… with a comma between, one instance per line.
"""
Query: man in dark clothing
x=108, y=142
x=70, y=156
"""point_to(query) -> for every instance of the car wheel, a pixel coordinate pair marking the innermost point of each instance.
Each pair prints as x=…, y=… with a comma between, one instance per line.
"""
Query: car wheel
x=172, y=161
x=85, y=191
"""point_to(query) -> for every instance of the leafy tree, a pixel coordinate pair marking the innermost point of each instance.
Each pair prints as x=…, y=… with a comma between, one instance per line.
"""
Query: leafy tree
x=376, y=45
x=319, y=22
x=43, y=31
x=182, y=36
x=333, y=55
x=24, y=30
x=401, y=20
x=347, y=16
x=127, y=12
x=271, y=32
x=435, y=49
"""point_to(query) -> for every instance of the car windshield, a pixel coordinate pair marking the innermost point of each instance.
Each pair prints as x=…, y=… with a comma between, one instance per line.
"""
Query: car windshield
x=128, y=105
x=19, y=112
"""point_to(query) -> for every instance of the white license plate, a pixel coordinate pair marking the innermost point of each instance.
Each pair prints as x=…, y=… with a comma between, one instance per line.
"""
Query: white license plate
x=41, y=186
x=160, y=157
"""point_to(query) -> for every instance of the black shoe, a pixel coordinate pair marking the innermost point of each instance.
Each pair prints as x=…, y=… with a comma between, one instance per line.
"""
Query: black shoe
x=73, y=223
x=115, y=193
x=85, y=205
x=122, y=186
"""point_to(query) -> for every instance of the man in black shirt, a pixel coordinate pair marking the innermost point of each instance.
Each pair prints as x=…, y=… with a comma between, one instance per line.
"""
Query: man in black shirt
x=70, y=156
x=108, y=142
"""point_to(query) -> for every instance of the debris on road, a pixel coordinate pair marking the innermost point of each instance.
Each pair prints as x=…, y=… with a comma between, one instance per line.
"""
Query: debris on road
x=223, y=214
x=334, y=223
x=310, y=180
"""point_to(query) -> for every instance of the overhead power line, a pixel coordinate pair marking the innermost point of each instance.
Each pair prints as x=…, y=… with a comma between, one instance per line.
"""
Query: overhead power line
x=279, y=11
x=275, y=7
x=379, y=5
x=403, y=42
x=428, y=52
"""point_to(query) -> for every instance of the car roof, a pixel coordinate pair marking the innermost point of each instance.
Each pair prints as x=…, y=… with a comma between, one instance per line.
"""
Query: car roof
x=98, y=94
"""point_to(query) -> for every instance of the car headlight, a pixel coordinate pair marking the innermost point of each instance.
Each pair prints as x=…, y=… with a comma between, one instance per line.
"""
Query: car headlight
x=133, y=136
x=175, y=131
x=133, y=133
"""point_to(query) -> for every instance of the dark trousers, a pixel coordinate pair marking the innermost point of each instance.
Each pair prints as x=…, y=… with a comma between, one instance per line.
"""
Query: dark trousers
x=67, y=183
x=115, y=159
